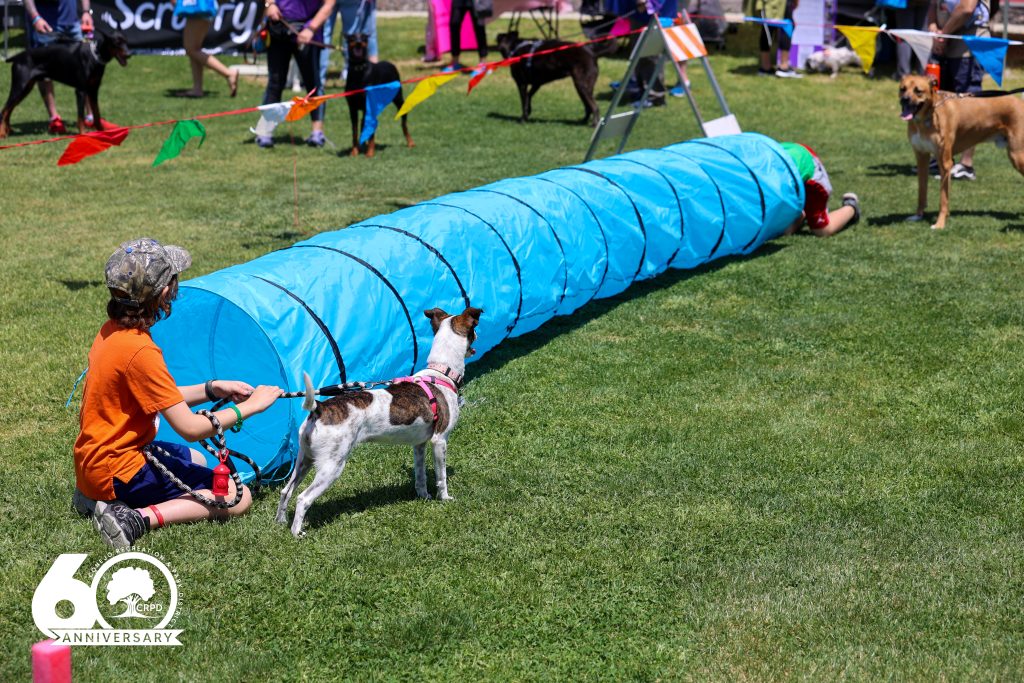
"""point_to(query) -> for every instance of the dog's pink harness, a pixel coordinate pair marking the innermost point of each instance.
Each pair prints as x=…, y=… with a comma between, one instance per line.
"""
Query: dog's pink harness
x=424, y=384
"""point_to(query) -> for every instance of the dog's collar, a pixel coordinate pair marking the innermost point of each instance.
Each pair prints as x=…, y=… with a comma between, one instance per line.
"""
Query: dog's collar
x=447, y=372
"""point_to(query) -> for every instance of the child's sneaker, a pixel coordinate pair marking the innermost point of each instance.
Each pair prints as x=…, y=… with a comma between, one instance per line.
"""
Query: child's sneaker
x=57, y=126
x=678, y=90
x=82, y=504
x=119, y=525
x=850, y=199
x=316, y=139
x=788, y=73
x=454, y=66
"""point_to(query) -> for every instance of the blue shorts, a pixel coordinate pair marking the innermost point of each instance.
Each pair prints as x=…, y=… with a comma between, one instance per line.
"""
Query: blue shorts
x=961, y=75
x=66, y=33
x=149, y=486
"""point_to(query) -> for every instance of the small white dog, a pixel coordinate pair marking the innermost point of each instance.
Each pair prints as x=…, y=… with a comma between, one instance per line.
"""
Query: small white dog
x=414, y=410
x=832, y=59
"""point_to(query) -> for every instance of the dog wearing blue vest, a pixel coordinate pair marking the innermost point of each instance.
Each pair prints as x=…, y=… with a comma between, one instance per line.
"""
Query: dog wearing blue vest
x=414, y=411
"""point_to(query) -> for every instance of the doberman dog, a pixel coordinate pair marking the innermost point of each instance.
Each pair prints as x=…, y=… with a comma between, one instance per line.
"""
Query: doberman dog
x=80, y=65
x=362, y=73
x=530, y=73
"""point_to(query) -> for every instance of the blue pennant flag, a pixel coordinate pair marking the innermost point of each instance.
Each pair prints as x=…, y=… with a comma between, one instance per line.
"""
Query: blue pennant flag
x=377, y=98
x=785, y=24
x=990, y=53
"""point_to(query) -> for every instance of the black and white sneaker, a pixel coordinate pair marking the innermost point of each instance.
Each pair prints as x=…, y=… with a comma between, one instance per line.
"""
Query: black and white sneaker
x=963, y=172
x=119, y=525
x=850, y=199
x=933, y=169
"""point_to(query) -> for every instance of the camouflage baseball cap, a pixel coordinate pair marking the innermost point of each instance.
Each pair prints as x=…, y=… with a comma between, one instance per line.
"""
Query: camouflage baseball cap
x=141, y=268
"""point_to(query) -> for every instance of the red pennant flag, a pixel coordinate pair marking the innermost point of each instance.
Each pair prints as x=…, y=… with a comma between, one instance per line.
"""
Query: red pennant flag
x=91, y=143
x=479, y=73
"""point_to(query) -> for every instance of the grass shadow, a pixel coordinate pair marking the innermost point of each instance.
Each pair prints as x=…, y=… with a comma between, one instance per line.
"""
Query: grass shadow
x=515, y=347
x=894, y=218
x=890, y=170
x=75, y=285
x=1018, y=227
x=533, y=119
x=322, y=514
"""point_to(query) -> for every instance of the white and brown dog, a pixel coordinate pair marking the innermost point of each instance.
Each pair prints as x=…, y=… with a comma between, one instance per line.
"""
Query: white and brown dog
x=414, y=410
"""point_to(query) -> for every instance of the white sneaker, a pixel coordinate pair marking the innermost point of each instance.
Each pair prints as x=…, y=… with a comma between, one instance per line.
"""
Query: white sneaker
x=788, y=73
x=962, y=172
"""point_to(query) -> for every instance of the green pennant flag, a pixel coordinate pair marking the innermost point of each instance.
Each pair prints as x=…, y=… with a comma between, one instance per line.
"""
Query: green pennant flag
x=182, y=133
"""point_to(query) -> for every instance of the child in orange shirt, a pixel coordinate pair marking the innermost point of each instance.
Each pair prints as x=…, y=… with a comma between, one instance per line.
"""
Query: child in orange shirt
x=128, y=386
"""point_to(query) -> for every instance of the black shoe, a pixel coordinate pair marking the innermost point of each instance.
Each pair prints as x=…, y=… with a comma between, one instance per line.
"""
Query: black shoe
x=119, y=525
x=850, y=199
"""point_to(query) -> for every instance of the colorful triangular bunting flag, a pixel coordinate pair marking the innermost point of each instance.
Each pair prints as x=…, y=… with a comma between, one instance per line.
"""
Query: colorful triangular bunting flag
x=990, y=53
x=423, y=90
x=377, y=98
x=862, y=41
x=86, y=145
x=183, y=132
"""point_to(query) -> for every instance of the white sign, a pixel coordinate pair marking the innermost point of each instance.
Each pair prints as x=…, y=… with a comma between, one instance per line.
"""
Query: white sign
x=135, y=590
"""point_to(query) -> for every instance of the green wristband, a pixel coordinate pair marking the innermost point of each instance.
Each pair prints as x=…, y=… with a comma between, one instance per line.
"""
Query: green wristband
x=237, y=427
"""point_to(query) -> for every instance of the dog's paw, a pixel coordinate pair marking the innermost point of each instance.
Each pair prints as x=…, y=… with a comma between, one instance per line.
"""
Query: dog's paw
x=299, y=534
x=281, y=519
x=914, y=218
x=445, y=497
x=936, y=226
x=423, y=495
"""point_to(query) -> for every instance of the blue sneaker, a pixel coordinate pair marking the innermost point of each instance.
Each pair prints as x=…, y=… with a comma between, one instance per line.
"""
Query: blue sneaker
x=264, y=141
x=481, y=68
x=678, y=91
x=454, y=66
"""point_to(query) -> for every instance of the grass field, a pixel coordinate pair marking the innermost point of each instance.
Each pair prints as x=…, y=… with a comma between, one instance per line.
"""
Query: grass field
x=804, y=464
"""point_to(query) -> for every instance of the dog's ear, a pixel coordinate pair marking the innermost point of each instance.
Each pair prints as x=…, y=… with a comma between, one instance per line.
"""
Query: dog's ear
x=436, y=315
x=472, y=316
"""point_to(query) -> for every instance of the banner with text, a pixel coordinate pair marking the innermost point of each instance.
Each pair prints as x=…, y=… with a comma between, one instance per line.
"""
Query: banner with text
x=151, y=27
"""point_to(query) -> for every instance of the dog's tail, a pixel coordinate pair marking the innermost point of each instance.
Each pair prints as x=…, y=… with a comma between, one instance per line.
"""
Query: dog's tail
x=309, y=403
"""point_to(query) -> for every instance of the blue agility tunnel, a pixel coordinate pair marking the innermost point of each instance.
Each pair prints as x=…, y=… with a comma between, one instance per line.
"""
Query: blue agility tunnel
x=347, y=305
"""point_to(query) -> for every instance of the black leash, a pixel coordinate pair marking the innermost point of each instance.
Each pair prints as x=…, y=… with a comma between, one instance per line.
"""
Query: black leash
x=997, y=93
x=219, y=450
x=339, y=389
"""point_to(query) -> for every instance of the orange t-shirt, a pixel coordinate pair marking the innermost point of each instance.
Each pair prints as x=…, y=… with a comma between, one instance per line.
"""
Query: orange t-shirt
x=127, y=385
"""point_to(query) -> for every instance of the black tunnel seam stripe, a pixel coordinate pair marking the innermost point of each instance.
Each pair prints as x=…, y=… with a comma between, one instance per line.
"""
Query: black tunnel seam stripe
x=316, y=319
x=405, y=309
x=721, y=201
x=636, y=211
x=604, y=237
x=431, y=248
x=515, y=262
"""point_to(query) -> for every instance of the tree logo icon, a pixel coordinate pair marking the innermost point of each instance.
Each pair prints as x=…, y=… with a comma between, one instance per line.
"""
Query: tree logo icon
x=130, y=585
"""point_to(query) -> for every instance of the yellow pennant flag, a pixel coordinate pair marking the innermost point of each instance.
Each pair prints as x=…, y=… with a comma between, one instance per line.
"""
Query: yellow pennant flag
x=423, y=90
x=862, y=41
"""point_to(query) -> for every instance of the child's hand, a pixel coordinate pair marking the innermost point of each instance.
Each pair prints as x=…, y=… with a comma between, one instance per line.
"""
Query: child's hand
x=262, y=398
x=233, y=390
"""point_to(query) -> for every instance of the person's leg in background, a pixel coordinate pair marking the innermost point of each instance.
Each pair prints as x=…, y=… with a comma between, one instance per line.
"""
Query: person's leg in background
x=325, y=55
x=307, y=57
x=459, y=10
